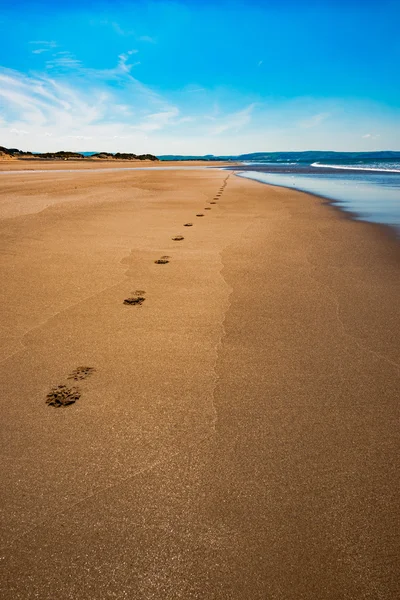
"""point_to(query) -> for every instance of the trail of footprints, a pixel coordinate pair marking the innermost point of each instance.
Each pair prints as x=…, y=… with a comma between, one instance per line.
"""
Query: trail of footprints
x=64, y=395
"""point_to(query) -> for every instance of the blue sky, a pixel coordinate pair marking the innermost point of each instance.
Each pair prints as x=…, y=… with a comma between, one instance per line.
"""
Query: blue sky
x=200, y=77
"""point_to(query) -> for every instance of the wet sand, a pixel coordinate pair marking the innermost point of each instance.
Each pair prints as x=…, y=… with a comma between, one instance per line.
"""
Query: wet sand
x=237, y=437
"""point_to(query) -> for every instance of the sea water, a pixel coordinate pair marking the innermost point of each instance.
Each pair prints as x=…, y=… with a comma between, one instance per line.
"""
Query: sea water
x=370, y=190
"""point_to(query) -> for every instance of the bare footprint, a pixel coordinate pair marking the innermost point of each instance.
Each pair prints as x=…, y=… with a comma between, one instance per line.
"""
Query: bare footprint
x=188, y=225
x=178, y=238
x=63, y=396
x=81, y=373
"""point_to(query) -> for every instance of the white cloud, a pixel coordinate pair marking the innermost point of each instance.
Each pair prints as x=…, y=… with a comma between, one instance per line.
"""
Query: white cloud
x=73, y=107
x=88, y=110
x=19, y=131
x=370, y=136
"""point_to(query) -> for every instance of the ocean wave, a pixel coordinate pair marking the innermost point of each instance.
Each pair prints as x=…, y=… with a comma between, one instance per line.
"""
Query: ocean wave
x=355, y=168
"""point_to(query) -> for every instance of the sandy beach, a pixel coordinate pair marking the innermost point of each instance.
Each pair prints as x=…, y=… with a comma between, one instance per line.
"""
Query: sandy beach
x=238, y=435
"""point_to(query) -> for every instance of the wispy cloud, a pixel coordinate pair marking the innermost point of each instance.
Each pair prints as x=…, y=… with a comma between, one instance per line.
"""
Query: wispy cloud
x=156, y=121
x=260, y=62
x=123, y=65
x=63, y=60
x=147, y=38
x=51, y=108
x=72, y=106
x=45, y=46
x=120, y=30
x=371, y=136
x=234, y=121
x=315, y=120
x=44, y=43
x=19, y=131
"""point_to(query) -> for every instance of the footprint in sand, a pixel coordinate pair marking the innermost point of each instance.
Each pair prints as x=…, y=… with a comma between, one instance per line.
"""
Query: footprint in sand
x=81, y=373
x=178, y=238
x=200, y=215
x=134, y=300
x=62, y=395
x=207, y=208
x=162, y=261
x=188, y=225
x=213, y=203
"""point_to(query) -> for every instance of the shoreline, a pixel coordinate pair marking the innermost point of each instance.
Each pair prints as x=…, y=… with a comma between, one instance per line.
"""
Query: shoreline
x=338, y=204
x=239, y=426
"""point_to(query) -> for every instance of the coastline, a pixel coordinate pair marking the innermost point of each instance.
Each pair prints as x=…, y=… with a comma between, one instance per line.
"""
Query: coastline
x=353, y=199
x=240, y=426
x=391, y=230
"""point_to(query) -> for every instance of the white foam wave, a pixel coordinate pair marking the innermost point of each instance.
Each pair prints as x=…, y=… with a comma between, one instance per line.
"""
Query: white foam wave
x=354, y=168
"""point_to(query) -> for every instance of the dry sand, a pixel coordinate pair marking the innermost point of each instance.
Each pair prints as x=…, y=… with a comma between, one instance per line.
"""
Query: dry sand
x=238, y=437
x=15, y=164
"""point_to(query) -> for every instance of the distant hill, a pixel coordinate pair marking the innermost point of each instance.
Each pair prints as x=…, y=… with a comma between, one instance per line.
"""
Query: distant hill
x=65, y=155
x=318, y=155
x=307, y=156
